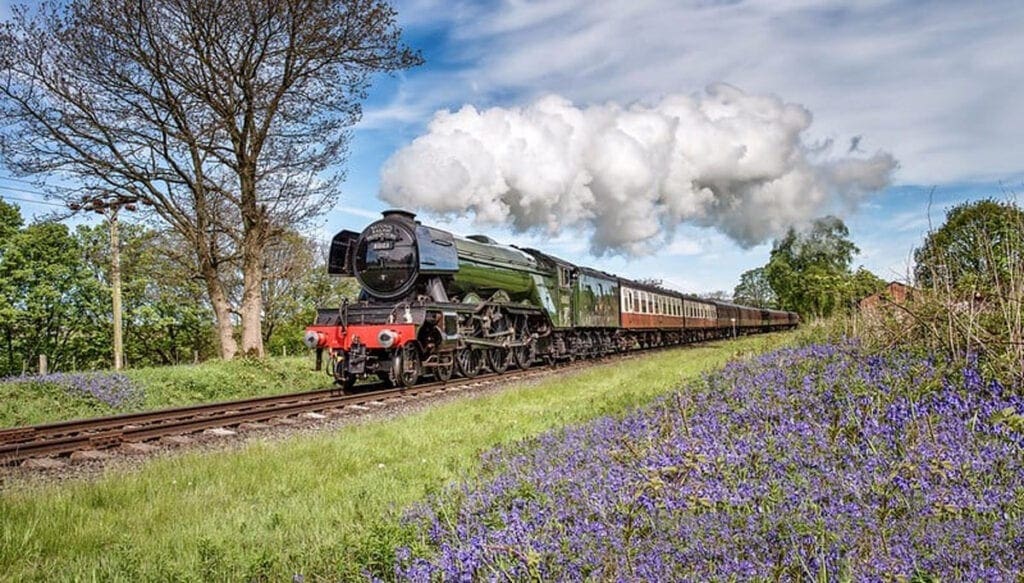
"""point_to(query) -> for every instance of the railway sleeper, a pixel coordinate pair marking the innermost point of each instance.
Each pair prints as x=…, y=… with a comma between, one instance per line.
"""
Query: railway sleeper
x=106, y=440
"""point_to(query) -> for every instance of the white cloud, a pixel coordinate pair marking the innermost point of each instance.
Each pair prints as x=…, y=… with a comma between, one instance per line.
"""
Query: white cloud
x=935, y=83
x=629, y=176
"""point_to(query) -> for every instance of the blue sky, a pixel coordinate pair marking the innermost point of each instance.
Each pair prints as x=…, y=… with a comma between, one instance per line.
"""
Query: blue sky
x=935, y=84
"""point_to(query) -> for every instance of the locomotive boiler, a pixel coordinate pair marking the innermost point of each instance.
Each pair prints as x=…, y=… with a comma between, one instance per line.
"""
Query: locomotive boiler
x=434, y=303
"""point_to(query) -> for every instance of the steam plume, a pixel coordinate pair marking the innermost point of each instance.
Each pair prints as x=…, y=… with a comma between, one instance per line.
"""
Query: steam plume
x=630, y=175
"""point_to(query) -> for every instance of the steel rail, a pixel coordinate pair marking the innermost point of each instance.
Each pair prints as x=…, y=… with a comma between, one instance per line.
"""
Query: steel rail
x=106, y=432
x=94, y=424
x=54, y=439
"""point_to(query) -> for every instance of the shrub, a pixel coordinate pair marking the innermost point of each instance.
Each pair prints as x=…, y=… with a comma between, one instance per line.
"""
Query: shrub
x=970, y=297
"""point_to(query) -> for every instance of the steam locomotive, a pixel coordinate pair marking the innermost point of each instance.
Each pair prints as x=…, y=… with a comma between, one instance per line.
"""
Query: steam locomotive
x=433, y=303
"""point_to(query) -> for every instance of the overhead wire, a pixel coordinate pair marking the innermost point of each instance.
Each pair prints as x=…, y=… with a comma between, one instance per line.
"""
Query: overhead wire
x=30, y=201
x=9, y=188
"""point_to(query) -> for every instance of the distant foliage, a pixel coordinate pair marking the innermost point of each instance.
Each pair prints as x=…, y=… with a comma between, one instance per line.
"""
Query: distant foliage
x=48, y=296
x=755, y=290
x=810, y=271
x=979, y=249
x=822, y=463
x=167, y=319
x=55, y=296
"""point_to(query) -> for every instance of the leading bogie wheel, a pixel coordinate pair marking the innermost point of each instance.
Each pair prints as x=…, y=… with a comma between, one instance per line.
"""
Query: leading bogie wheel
x=444, y=371
x=346, y=385
x=409, y=365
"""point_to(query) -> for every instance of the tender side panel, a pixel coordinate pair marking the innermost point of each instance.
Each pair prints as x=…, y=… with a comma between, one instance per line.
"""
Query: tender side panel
x=596, y=301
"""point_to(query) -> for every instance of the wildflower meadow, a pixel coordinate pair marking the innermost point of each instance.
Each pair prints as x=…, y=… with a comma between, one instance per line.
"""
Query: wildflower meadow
x=114, y=390
x=818, y=463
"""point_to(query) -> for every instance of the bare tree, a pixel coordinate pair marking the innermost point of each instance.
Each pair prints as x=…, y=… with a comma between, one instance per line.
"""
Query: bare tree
x=226, y=116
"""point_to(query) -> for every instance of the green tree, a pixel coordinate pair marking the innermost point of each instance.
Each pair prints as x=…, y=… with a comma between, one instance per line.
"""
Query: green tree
x=167, y=318
x=863, y=283
x=10, y=220
x=980, y=248
x=295, y=288
x=754, y=289
x=809, y=271
x=227, y=119
x=48, y=298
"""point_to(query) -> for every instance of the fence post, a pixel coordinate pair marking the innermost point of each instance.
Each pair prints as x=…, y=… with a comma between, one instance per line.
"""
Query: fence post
x=42, y=364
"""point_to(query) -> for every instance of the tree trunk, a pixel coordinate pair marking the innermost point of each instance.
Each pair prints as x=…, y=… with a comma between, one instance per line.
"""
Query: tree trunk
x=221, y=312
x=252, y=297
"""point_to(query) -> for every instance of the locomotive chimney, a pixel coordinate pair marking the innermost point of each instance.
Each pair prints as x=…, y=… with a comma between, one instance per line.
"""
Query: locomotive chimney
x=400, y=214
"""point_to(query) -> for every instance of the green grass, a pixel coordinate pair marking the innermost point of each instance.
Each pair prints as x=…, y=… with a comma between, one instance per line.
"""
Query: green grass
x=220, y=381
x=324, y=506
x=28, y=403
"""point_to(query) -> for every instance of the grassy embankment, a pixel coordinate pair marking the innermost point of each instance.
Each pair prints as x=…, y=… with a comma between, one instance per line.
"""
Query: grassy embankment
x=77, y=395
x=323, y=506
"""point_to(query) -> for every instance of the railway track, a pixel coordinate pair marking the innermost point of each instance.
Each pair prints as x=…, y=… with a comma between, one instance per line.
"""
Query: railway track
x=63, y=438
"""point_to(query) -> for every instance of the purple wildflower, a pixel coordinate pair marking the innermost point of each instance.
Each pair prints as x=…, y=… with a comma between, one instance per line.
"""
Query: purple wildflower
x=811, y=463
x=112, y=389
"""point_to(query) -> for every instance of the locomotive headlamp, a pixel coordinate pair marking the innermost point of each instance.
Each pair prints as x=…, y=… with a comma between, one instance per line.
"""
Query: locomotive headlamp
x=313, y=339
x=387, y=338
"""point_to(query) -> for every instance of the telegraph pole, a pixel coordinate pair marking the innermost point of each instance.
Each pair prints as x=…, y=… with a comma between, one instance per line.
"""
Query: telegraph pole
x=109, y=204
x=115, y=285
